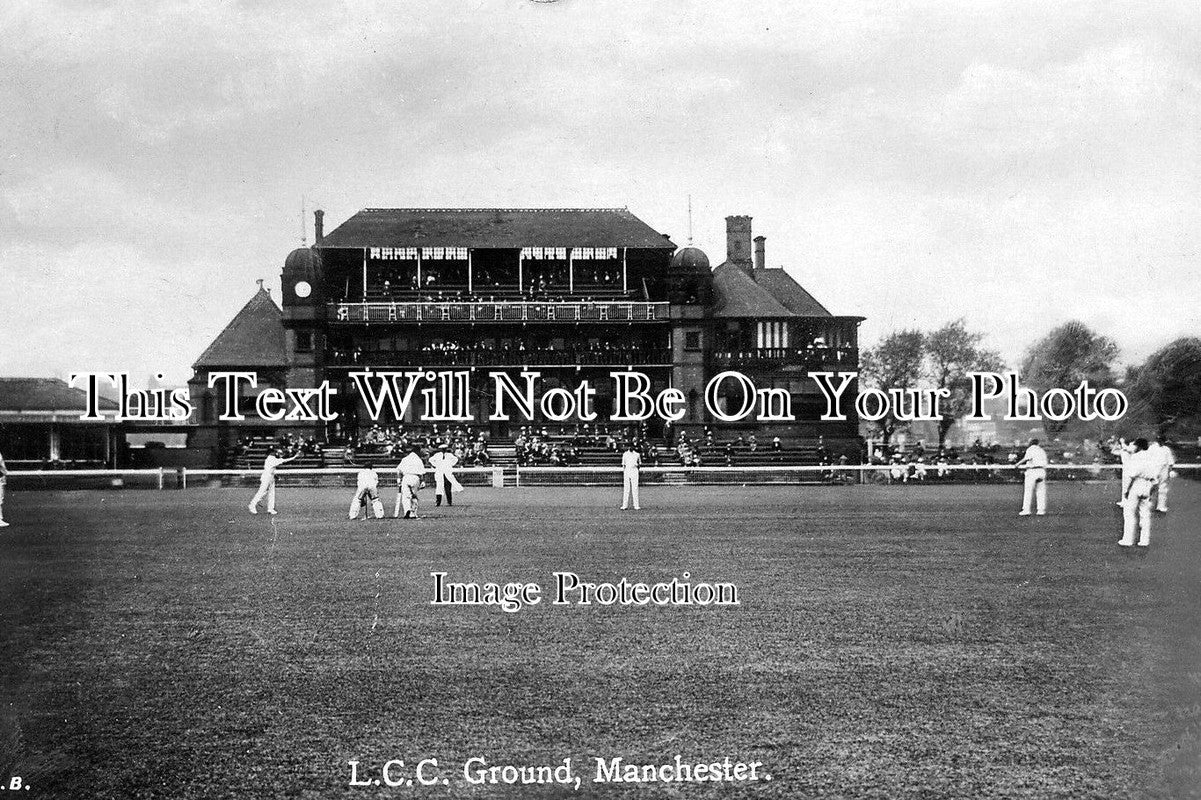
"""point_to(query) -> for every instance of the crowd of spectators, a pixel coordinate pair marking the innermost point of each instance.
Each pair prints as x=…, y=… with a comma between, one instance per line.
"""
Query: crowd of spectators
x=444, y=351
x=392, y=442
x=919, y=463
x=287, y=442
x=705, y=449
x=536, y=446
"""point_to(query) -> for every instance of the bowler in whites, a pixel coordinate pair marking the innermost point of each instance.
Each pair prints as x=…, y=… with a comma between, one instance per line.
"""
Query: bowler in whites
x=1034, y=491
x=630, y=462
x=267, y=483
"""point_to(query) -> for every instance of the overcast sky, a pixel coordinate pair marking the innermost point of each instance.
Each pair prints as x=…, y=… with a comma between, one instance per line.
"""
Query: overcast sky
x=1017, y=164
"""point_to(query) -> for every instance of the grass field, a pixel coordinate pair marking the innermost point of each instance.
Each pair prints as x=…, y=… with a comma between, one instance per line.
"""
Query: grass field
x=891, y=642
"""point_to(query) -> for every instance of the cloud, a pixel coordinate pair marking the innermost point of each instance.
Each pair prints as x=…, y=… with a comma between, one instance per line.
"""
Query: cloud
x=910, y=161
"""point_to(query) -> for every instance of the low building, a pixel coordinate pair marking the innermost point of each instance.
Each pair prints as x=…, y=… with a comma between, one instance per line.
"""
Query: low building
x=40, y=426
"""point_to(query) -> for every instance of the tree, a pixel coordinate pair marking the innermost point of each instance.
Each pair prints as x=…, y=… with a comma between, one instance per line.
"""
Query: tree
x=954, y=351
x=1169, y=383
x=1063, y=358
x=895, y=363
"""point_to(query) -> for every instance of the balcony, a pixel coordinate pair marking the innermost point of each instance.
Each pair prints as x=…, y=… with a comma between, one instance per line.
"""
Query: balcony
x=530, y=359
x=496, y=311
x=816, y=358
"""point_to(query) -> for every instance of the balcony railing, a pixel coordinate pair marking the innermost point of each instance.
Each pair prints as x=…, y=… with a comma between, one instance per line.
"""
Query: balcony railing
x=503, y=358
x=499, y=311
x=813, y=357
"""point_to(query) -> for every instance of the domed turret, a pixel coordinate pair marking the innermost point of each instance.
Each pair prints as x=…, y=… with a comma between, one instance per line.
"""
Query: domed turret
x=302, y=277
x=690, y=259
x=303, y=260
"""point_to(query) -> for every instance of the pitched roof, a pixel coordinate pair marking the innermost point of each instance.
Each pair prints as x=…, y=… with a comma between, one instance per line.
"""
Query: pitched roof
x=791, y=294
x=45, y=394
x=495, y=227
x=253, y=338
x=737, y=295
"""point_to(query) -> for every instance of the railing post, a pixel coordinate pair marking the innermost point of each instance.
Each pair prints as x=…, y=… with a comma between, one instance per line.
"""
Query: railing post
x=160, y=478
x=498, y=478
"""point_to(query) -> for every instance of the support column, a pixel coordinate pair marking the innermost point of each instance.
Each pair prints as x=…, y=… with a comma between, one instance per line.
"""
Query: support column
x=520, y=277
x=624, y=282
x=470, y=284
x=420, y=283
x=571, y=270
x=364, y=273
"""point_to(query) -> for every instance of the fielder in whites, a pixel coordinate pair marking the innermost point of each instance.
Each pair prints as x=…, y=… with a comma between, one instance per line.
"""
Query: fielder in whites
x=267, y=483
x=1034, y=492
x=409, y=473
x=630, y=462
x=1143, y=467
x=1167, y=460
x=367, y=494
x=3, y=477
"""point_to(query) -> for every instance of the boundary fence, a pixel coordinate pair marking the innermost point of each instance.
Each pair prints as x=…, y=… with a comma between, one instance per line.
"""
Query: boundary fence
x=504, y=477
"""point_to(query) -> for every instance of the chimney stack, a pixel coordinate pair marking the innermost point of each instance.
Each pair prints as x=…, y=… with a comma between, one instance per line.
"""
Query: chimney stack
x=760, y=252
x=738, y=242
x=318, y=226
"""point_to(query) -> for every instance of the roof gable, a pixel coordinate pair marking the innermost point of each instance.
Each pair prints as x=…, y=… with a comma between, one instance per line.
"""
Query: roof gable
x=253, y=338
x=784, y=288
x=495, y=227
x=737, y=295
x=45, y=394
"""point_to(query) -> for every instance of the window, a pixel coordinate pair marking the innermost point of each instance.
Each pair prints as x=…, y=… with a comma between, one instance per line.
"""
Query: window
x=692, y=340
x=772, y=335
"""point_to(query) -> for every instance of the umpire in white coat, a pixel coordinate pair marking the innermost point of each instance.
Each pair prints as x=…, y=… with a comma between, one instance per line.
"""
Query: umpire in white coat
x=443, y=463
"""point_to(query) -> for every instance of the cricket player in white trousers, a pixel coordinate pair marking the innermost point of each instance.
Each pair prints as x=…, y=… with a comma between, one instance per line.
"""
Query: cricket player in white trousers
x=267, y=483
x=630, y=462
x=1034, y=492
x=3, y=478
x=1167, y=460
x=367, y=494
x=408, y=480
x=445, y=482
x=1143, y=466
x=1123, y=451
